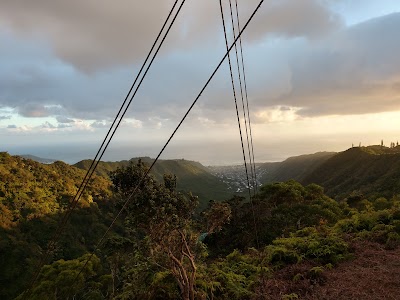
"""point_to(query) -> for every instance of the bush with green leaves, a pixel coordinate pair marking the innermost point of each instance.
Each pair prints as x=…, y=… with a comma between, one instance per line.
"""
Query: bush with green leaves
x=277, y=210
x=323, y=245
x=382, y=226
x=71, y=279
x=233, y=277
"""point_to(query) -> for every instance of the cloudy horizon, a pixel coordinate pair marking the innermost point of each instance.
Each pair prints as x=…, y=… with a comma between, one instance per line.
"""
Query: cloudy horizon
x=321, y=74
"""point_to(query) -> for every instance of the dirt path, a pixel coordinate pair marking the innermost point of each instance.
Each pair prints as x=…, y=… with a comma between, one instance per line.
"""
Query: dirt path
x=373, y=274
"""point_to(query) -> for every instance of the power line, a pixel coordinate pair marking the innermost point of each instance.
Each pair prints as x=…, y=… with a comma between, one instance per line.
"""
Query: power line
x=171, y=136
x=252, y=170
x=117, y=121
x=246, y=94
x=238, y=119
x=234, y=96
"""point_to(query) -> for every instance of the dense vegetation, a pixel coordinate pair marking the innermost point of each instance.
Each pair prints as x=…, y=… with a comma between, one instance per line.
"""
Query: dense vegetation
x=288, y=243
x=296, y=167
x=192, y=176
x=369, y=172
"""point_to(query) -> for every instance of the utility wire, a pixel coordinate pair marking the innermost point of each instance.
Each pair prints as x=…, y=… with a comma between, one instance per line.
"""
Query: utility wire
x=246, y=94
x=242, y=97
x=235, y=98
x=171, y=137
x=105, y=143
x=238, y=119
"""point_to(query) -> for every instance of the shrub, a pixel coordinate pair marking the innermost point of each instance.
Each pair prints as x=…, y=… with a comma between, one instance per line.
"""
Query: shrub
x=325, y=246
x=393, y=241
x=233, y=277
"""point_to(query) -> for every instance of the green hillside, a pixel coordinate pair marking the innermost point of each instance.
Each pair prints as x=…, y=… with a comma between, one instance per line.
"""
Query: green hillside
x=33, y=196
x=368, y=170
x=292, y=242
x=38, y=159
x=297, y=167
x=191, y=176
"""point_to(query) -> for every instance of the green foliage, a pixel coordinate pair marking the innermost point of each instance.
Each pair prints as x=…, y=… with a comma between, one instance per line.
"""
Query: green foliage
x=381, y=226
x=234, y=277
x=191, y=176
x=216, y=216
x=143, y=279
x=294, y=167
x=322, y=245
x=32, y=198
x=157, y=241
x=164, y=218
x=279, y=209
x=381, y=203
x=279, y=255
x=61, y=280
x=291, y=296
x=371, y=171
x=31, y=190
x=393, y=240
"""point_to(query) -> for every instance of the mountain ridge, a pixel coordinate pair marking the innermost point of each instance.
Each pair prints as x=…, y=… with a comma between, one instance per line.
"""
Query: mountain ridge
x=369, y=170
x=191, y=176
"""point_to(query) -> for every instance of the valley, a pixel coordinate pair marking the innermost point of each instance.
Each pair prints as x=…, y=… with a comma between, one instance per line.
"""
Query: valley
x=308, y=238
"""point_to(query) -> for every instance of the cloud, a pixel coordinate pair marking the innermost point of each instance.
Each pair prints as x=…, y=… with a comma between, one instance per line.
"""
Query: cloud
x=352, y=71
x=33, y=110
x=96, y=34
x=295, y=18
x=88, y=33
x=276, y=114
x=101, y=124
x=5, y=118
x=12, y=126
x=63, y=119
x=156, y=122
x=133, y=123
x=62, y=126
x=48, y=125
x=300, y=56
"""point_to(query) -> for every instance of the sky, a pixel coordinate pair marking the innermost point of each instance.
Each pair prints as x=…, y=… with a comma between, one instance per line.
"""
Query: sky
x=321, y=75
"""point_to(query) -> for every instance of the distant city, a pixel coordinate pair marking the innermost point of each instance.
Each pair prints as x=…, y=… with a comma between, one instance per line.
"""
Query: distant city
x=235, y=176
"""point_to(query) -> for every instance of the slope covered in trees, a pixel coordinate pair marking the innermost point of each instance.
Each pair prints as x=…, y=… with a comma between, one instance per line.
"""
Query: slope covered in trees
x=370, y=171
x=33, y=196
x=291, y=242
x=365, y=171
x=191, y=176
x=296, y=167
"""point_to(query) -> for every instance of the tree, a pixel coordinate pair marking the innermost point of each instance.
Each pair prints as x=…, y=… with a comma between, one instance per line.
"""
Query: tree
x=163, y=218
x=67, y=280
x=279, y=209
x=217, y=214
